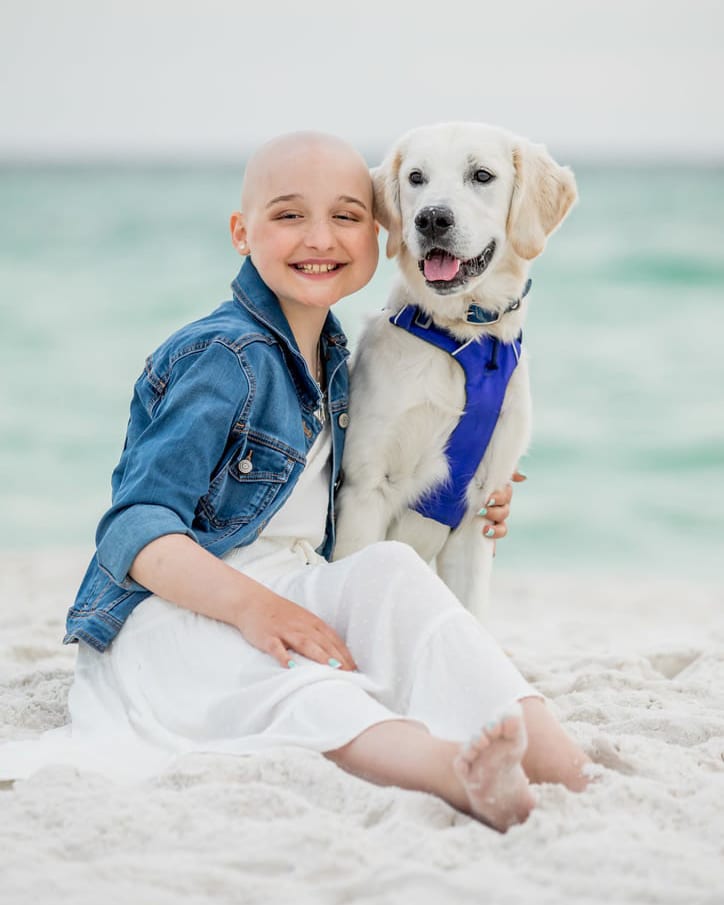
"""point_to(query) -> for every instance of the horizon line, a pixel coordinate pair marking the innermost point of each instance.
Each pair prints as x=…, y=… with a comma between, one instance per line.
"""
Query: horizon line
x=227, y=159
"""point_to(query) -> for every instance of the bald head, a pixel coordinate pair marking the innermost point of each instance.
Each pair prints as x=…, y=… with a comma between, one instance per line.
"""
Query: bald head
x=285, y=153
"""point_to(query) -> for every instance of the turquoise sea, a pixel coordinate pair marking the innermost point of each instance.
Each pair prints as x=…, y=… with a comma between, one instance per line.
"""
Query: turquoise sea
x=626, y=330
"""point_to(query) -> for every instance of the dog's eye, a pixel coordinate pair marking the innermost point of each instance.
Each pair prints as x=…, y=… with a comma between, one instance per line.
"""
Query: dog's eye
x=483, y=176
x=416, y=177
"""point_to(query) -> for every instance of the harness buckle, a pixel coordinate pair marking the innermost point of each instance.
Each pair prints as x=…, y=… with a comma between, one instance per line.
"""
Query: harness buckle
x=477, y=315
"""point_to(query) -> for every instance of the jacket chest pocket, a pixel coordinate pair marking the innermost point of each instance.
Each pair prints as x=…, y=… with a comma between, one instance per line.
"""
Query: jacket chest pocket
x=248, y=484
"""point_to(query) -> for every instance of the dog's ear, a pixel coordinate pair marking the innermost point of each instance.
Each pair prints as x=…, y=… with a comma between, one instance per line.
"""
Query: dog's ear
x=543, y=193
x=385, y=179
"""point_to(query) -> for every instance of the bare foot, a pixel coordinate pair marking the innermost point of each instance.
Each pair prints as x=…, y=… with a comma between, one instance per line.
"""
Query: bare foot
x=490, y=771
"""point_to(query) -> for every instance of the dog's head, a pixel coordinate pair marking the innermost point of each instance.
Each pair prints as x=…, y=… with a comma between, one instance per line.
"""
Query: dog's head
x=459, y=199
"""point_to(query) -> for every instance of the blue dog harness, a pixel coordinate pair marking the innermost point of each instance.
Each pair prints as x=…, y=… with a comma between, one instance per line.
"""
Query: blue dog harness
x=488, y=365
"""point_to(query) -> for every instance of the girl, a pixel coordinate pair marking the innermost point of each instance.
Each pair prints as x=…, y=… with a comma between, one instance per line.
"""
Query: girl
x=229, y=631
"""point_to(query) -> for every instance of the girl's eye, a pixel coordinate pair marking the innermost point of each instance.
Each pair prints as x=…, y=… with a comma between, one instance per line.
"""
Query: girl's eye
x=415, y=177
x=287, y=215
x=345, y=215
x=483, y=176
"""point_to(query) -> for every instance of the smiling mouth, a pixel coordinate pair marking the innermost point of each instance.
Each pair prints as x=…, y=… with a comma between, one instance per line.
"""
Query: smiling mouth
x=317, y=268
x=444, y=272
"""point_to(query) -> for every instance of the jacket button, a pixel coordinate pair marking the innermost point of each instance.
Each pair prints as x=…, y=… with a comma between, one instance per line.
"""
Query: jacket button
x=245, y=466
x=343, y=420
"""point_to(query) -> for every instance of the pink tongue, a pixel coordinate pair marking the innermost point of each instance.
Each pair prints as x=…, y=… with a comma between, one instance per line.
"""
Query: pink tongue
x=441, y=266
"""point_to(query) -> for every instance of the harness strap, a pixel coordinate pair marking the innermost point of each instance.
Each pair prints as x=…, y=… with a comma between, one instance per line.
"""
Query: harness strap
x=488, y=366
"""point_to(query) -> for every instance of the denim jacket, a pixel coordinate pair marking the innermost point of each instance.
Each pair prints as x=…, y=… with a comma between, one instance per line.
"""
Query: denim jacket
x=220, y=425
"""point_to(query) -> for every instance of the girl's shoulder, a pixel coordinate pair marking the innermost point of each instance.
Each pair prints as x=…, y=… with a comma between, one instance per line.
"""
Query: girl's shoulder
x=227, y=327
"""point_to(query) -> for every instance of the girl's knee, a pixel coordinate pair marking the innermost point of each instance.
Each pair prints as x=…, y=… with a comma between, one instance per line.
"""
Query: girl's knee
x=396, y=552
x=396, y=567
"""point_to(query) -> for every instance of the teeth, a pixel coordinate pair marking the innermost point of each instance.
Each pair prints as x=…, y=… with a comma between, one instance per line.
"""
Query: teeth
x=316, y=268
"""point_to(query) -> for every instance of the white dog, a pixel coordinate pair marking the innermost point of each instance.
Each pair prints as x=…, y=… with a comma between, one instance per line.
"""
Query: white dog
x=467, y=207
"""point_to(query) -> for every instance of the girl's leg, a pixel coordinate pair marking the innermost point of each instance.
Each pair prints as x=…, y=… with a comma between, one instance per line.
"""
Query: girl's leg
x=428, y=658
x=463, y=679
x=452, y=676
x=483, y=778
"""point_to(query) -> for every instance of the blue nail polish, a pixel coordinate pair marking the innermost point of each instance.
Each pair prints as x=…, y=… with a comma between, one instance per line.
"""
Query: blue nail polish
x=490, y=532
x=491, y=724
x=483, y=511
x=335, y=664
x=491, y=501
x=291, y=664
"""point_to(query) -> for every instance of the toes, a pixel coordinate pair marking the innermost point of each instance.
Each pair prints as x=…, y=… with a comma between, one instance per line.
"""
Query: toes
x=510, y=727
x=493, y=730
x=506, y=725
x=473, y=749
x=478, y=743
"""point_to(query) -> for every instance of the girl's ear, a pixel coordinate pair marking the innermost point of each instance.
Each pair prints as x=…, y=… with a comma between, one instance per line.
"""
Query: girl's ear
x=385, y=179
x=543, y=193
x=237, y=225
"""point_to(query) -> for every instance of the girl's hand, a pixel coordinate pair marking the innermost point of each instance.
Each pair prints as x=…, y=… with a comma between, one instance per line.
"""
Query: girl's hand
x=497, y=511
x=280, y=628
x=176, y=568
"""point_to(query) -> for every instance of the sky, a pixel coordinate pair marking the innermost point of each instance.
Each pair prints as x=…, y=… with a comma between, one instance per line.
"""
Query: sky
x=132, y=78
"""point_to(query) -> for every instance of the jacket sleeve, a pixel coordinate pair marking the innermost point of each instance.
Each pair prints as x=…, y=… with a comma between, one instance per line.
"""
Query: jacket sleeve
x=166, y=468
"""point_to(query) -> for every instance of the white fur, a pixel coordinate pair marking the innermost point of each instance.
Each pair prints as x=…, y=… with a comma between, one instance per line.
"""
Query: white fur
x=406, y=394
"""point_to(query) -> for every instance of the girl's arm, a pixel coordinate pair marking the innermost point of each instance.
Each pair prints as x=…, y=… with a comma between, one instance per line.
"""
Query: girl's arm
x=176, y=568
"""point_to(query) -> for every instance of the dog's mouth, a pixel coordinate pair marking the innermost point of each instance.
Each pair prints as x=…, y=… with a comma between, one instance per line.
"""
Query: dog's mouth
x=444, y=272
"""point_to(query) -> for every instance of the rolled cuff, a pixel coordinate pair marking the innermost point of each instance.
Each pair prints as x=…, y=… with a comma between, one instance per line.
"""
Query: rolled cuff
x=129, y=532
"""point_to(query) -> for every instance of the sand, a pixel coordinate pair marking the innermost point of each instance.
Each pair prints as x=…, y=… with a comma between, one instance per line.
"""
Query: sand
x=634, y=668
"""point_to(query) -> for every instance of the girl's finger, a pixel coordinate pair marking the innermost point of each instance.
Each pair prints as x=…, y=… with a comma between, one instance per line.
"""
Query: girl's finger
x=320, y=653
x=312, y=628
x=307, y=647
x=518, y=476
x=276, y=649
x=500, y=497
x=495, y=532
x=339, y=651
x=495, y=513
x=498, y=514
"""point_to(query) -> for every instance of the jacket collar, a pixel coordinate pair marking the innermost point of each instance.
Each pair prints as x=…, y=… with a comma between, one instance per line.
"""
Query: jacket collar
x=252, y=292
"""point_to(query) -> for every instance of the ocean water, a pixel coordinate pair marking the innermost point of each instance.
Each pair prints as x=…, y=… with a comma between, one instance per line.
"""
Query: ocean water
x=626, y=328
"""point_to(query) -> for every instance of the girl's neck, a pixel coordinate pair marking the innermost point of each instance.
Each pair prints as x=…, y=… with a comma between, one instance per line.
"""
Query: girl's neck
x=306, y=324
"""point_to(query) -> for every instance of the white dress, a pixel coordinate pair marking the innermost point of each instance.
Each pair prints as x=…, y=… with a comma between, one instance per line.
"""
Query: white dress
x=174, y=682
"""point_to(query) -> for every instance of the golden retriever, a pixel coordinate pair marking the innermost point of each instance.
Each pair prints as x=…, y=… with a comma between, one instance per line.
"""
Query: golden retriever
x=467, y=207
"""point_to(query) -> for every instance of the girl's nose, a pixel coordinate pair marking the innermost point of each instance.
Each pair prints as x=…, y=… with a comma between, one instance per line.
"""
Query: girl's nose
x=319, y=235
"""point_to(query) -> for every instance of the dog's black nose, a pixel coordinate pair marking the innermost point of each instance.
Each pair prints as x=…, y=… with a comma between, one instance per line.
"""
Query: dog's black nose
x=434, y=221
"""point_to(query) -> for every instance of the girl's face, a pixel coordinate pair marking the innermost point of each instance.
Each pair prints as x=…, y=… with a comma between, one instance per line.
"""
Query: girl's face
x=308, y=225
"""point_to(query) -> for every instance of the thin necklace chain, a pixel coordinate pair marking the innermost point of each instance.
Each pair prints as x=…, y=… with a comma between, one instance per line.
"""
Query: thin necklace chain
x=320, y=412
x=319, y=364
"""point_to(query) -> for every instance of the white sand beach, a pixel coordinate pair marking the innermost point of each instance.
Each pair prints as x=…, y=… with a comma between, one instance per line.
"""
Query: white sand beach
x=634, y=668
